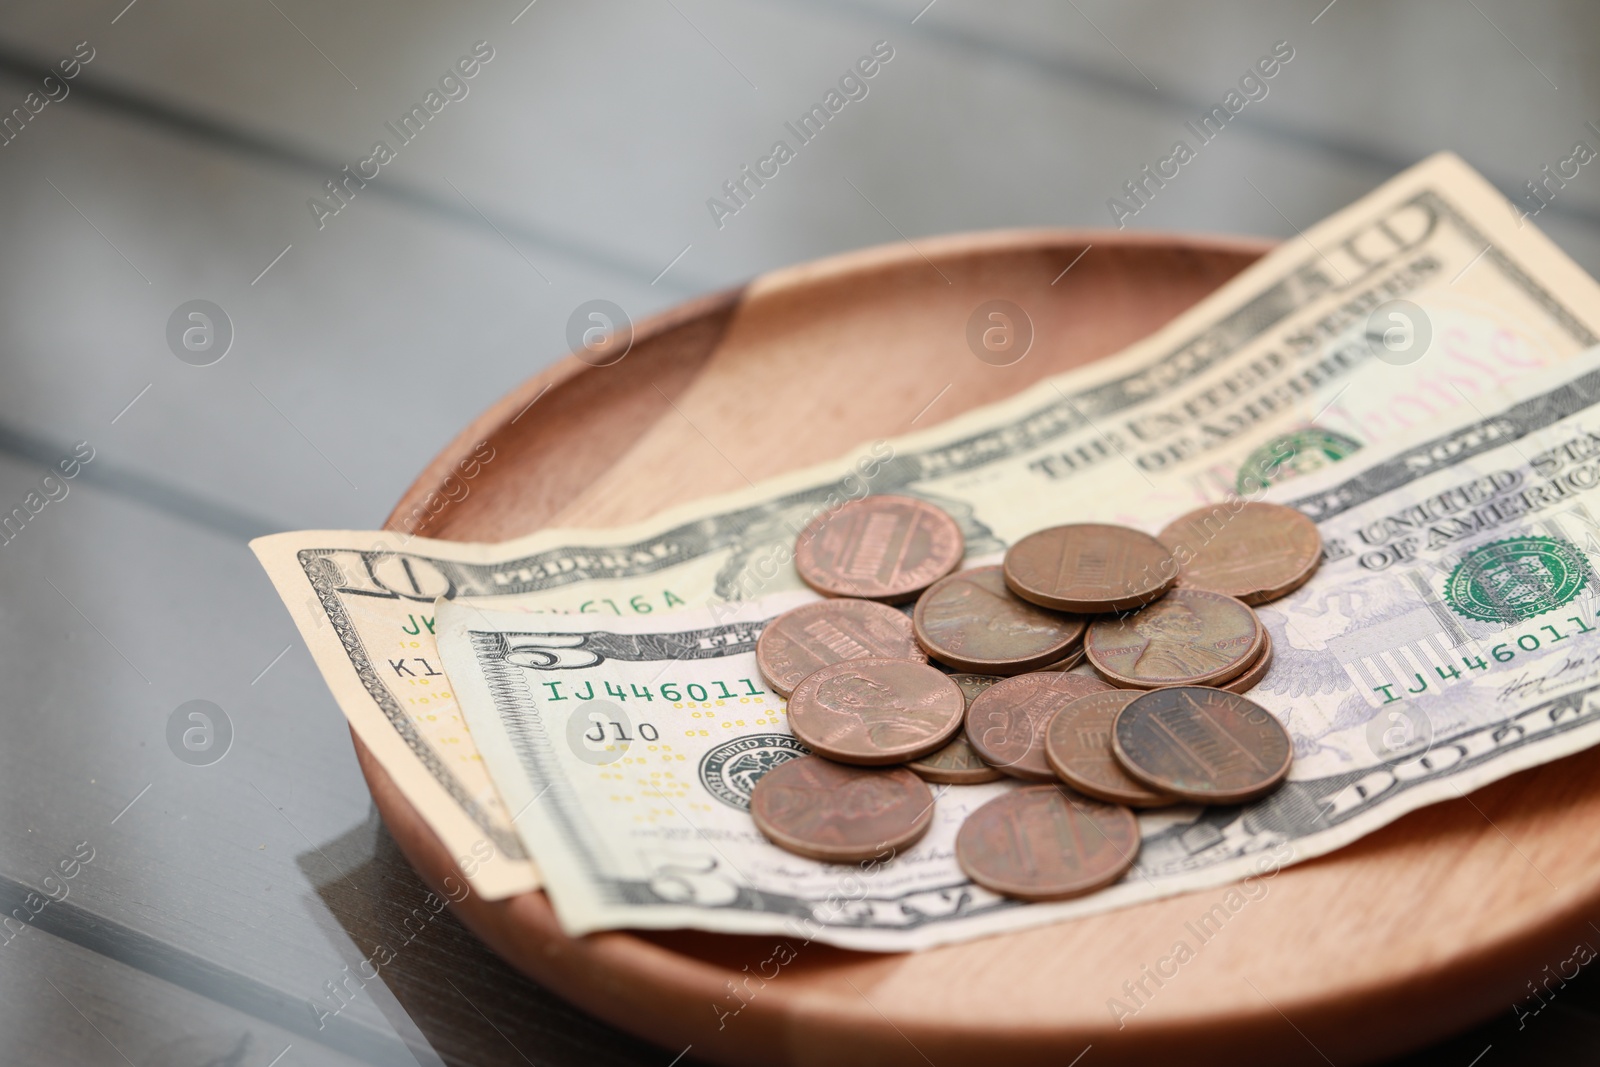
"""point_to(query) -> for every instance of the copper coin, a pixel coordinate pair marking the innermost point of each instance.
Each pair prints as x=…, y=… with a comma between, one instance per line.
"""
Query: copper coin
x=1039, y=843
x=1089, y=568
x=1077, y=745
x=1188, y=637
x=1201, y=744
x=957, y=763
x=827, y=811
x=1256, y=552
x=1006, y=723
x=1256, y=671
x=875, y=711
x=813, y=636
x=887, y=548
x=972, y=622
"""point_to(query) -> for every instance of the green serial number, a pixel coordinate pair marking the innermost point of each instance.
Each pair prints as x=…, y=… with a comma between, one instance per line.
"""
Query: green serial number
x=671, y=692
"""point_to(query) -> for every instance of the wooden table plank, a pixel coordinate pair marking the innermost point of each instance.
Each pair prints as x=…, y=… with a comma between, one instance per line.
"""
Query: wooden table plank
x=1373, y=85
x=354, y=358
x=61, y=1003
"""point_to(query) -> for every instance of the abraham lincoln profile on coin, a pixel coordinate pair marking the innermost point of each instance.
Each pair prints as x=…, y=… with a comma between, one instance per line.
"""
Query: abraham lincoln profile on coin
x=1173, y=631
x=856, y=704
x=967, y=605
x=855, y=804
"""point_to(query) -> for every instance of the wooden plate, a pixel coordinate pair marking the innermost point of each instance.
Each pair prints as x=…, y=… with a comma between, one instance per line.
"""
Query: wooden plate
x=1433, y=923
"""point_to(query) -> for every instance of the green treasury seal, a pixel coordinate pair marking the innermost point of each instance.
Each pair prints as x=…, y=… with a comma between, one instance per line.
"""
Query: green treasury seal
x=1291, y=455
x=1516, y=579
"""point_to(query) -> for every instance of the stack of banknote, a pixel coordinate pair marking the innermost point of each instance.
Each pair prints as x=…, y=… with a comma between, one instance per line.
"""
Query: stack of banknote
x=582, y=710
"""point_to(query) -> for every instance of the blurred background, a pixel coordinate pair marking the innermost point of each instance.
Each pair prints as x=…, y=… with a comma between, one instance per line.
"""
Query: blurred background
x=185, y=161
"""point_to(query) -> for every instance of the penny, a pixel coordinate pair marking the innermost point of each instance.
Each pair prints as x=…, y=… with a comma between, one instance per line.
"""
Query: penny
x=972, y=622
x=1201, y=744
x=813, y=636
x=1077, y=745
x=1006, y=722
x=887, y=548
x=957, y=763
x=875, y=711
x=1188, y=637
x=827, y=811
x=1256, y=671
x=1039, y=843
x=1089, y=568
x=1257, y=553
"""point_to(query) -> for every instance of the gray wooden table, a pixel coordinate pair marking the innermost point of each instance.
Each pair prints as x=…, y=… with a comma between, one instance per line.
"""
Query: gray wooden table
x=181, y=162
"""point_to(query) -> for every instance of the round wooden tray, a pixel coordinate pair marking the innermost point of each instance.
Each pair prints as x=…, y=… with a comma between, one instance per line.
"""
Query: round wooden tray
x=1433, y=923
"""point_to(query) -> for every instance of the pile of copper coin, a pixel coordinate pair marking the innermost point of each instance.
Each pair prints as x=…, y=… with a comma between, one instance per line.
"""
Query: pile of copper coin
x=977, y=683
